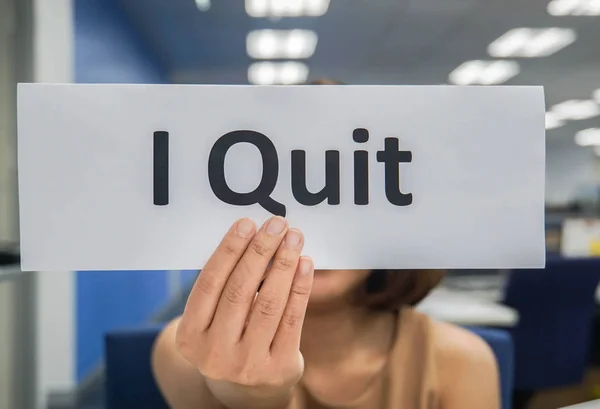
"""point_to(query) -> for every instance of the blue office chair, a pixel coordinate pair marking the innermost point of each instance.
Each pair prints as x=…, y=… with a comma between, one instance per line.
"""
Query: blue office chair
x=552, y=339
x=130, y=384
x=502, y=346
x=129, y=380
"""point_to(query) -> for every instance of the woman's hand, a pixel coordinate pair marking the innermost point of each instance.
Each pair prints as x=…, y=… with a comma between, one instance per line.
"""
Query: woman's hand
x=247, y=345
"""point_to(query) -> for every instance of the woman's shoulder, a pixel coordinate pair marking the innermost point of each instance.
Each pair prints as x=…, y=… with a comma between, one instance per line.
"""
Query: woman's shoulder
x=466, y=364
x=456, y=344
x=450, y=344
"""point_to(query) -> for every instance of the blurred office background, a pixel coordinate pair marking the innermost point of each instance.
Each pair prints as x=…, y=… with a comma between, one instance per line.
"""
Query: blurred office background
x=53, y=324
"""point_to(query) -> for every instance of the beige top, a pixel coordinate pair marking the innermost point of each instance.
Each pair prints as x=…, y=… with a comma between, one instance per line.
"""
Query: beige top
x=409, y=380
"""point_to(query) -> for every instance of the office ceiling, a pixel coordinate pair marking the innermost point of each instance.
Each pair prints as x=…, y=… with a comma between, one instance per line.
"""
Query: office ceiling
x=378, y=42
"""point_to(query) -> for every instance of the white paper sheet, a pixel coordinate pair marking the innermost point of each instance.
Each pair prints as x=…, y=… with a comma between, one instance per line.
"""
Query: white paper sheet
x=472, y=195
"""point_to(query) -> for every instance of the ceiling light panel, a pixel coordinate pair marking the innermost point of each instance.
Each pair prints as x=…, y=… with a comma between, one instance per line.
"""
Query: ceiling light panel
x=281, y=44
x=574, y=8
x=203, y=5
x=478, y=72
x=531, y=42
x=576, y=110
x=286, y=8
x=553, y=121
x=277, y=73
x=588, y=137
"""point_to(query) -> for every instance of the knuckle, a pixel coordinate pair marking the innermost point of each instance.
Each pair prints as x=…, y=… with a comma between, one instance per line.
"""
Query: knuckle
x=207, y=283
x=292, y=320
x=300, y=290
x=260, y=249
x=234, y=292
x=267, y=304
x=283, y=263
x=229, y=249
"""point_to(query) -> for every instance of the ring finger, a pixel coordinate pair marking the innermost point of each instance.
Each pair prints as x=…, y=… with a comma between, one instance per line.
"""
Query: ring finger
x=240, y=291
x=273, y=296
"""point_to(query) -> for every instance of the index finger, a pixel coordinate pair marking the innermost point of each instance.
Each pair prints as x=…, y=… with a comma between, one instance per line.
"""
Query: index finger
x=209, y=285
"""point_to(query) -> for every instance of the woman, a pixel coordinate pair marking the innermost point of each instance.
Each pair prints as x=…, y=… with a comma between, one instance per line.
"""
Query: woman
x=314, y=339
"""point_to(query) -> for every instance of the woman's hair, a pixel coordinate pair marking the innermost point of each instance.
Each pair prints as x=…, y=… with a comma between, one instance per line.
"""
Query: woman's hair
x=392, y=289
x=325, y=81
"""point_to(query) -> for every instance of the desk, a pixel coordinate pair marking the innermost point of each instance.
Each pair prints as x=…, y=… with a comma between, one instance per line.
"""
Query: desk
x=465, y=308
x=486, y=287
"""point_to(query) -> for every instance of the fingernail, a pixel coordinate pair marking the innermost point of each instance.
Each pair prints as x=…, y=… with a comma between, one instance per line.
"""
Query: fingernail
x=293, y=239
x=276, y=226
x=245, y=227
x=306, y=266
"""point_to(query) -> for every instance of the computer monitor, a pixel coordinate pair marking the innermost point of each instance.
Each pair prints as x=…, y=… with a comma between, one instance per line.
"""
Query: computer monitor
x=580, y=237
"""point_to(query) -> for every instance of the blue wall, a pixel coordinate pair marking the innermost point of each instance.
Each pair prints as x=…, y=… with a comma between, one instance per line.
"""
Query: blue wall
x=107, y=50
x=188, y=277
